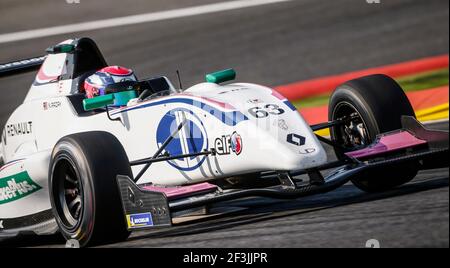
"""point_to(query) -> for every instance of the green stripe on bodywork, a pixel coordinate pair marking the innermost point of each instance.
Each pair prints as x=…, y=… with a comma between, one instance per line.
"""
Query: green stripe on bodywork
x=16, y=187
x=98, y=102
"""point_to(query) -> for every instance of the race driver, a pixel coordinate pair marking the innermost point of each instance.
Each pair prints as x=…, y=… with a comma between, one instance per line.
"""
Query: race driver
x=117, y=80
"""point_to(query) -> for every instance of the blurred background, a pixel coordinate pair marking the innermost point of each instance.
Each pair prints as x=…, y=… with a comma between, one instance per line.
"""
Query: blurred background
x=273, y=44
x=303, y=48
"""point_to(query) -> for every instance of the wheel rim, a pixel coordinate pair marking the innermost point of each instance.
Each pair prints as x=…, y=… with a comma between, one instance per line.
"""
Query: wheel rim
x=353, y=134
x=68, y=193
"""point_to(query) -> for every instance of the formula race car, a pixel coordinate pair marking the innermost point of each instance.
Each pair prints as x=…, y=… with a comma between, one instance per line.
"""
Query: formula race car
x=95, y=171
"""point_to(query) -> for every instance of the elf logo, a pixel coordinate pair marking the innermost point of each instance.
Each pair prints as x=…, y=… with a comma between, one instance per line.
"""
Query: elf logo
x=229, y=143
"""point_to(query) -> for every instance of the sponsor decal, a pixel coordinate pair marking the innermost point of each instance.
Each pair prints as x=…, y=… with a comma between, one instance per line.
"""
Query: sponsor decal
x=16, y=187
x=265, y=111
x=139, y=220
x=17, y=129
x=296, y=139
x=229, y=143
x=254, y=101
x=192, y=138
x=282, y=124
x=307, y=151
x=51, y=105
x=236, y=143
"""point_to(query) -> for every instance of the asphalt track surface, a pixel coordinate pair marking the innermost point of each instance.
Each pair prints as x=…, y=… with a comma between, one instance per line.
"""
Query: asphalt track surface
x=272, y=45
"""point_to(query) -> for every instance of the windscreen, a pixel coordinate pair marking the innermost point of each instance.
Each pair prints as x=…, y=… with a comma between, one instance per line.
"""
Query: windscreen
x=156, y=87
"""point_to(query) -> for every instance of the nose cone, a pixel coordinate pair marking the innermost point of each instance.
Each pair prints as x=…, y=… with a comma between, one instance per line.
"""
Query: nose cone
x=285, y=155
x=300, y=158
x=273, y=135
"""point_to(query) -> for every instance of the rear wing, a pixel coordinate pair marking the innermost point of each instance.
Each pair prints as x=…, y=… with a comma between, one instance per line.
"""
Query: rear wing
x=21, y=66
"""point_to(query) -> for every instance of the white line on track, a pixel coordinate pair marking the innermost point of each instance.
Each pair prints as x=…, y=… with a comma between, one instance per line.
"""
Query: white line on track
x=437, y=121
x=134, y=19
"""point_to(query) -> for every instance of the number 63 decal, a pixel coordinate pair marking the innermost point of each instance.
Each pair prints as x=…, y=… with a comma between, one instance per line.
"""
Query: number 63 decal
x=268, y=109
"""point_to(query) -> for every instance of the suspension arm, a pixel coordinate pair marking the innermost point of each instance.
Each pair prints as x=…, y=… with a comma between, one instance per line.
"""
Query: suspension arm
x=158, y=152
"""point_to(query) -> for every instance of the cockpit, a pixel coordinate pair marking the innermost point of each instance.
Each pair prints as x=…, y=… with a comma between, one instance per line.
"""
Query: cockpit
x=85, y=59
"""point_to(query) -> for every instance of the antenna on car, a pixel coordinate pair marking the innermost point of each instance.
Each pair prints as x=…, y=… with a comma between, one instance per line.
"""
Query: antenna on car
x=179, y=79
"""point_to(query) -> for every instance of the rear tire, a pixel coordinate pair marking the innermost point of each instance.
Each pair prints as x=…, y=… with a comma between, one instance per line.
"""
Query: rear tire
x=377, y=103
x=83, y=190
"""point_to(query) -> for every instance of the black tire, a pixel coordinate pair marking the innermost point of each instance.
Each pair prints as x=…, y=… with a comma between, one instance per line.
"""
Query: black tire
x=378, y=103
x=84, y=167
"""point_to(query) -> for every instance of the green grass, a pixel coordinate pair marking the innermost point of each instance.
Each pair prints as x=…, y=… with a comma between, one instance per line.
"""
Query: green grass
x=416, y=82
x=424, y=80
x=312, y=101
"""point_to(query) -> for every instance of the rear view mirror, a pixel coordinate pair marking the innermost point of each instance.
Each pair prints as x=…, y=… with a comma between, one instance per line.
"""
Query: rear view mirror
x=221, y=76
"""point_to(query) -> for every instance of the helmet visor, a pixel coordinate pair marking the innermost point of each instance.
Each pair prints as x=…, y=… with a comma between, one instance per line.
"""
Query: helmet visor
x=122, y=86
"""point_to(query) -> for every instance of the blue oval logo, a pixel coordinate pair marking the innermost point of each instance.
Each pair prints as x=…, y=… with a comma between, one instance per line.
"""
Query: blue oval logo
x=192, y=138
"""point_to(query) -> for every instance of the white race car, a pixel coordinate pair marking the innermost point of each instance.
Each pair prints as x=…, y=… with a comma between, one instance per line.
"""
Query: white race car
x=95, y=172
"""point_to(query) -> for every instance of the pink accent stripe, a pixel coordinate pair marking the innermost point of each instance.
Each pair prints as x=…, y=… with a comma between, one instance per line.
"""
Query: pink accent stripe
x=183, y=191
x=388, y=143
x=325, y=85
x=42, y=77
x=222, y=105
x=277, y=95
x=218, y=103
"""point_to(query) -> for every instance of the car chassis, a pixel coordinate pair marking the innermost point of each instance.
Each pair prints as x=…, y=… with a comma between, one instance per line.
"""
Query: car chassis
x=422, y=147
x=412, y=144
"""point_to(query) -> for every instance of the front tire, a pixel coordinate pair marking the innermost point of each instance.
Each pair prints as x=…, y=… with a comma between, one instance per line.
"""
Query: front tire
x=376, y=103
x=83, y=190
